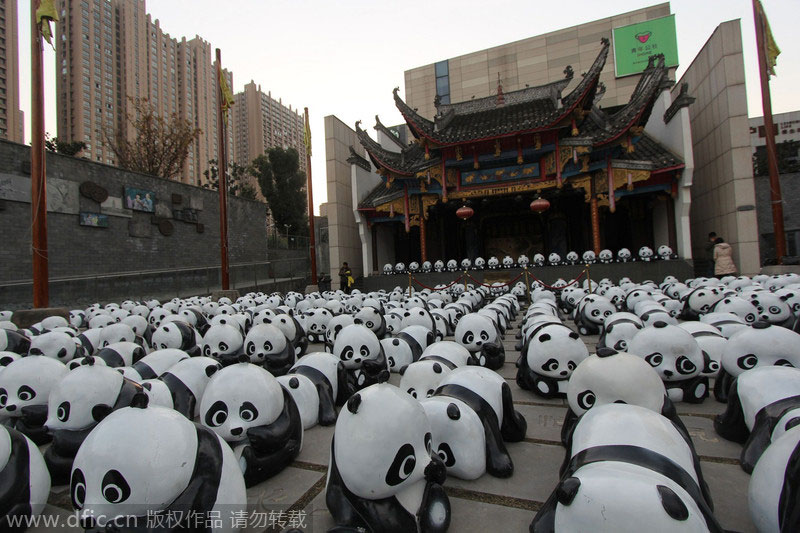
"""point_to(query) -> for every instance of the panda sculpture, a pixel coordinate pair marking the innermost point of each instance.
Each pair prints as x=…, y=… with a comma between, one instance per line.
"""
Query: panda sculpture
x=548, y=358
x=223, y=342
x=710, y=341
x=384, y=432
x=153, y=364
x=56, y=344
x=329, y=376
x=452, y=265
x=413, y=267
x=182, y=386
x=523, y=261
x=665, y=253
x=618, y=330
x=372, y=318
x=508, y=262
x=589, y=257
x=267, y=345
x=553, y=259
x=426, y=267
x=591, y=314
x=438, y=266
x=25, y=485
x=480, y=336
x=645, y=254
x=142, y=461
x=741, y=307
x=572, y=258
x=25, y=387
x=400, y=268
x=13, y=341
x=773, y=308
x=288, y=324
x=316, y=323
x=480, y=263
x=388, y=269
x=624, y=255
x=118, y=354
x=677, y=358
x=247, y=407
x=176, y=334
x=700, y=301
x=363, y=357
x=334, y=327
x=472, y=414
x=726, y=323
x=493, y=263
x=401, y=350
x=772, y=495
x=606, y=256
x=466, y=264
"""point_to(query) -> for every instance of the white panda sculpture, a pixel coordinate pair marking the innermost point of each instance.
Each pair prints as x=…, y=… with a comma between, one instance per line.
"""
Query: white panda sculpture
x=26, y=481
x=438, y=266
x=624, y=255
x=665, y=253
x=508, y=262
x=267, y=345
x=606, y=256
x=247, y=407
x=480, y=263
x=143, y=461
x=452, y=265
x=329, y=376
x=592, y=312
x=363, y=357
x=176, y=334
x=548, y=358
x=413, y=266
x=388, y=269
x=400, y=268
x=553, y=259
x=572, y=258
x=182, y=386
x=426, y=266
x=153, y=364
x=618, y=330
x=223, y=342
x=772, y=495
x=372, y=318
x=118, y=354
x=290, y=326
x=710, y=341
x=523, y=261
x=480, y=336
x=56, y=344
x=645, y=254
x=14, y=341
x=466, y=264
x=589, y=257
x=384, y=432
x=493, y=263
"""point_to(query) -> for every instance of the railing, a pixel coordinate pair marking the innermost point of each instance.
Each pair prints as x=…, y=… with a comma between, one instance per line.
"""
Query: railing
x=282, y=241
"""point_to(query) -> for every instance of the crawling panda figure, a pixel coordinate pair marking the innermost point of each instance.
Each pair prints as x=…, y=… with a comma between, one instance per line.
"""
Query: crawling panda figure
x=665, y=253
x=14, y=341
x=553, y=259
x=382, y=474
x=466, y=264
x=677, y=358
x=572, y=258
x=56, y=344
x=589, y=257
x=480, y=263
x=363, y=357
x=316, y=323
x=143, y=461
x=224, y=343
x=401, y=350
x=334, y=327
x=508, y=262
x=624, y=255
x=548, y=358
x=176, y=334
x=773, y=493
x=472, y=414
x=645, y=254
x=763, y=403
x=372, y=318
x=426, y=266
x=606, y=256
x=266, y=344
x=388, y=270
x=25, y=480
x=438, y=266
x=329, y=376
x=493, y=263
x=153, y=364
x=400, y=268
x=523, y=261
x=182, y=386
x=618, y=330
x=592, y=312
x=247, y=407
x=288, y=324
x=700, y=301
x=25, y=387
x=452, y=265
x=480, y=336
x=413, y=267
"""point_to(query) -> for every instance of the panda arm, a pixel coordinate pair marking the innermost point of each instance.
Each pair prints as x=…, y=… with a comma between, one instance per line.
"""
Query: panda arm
x=276, y=436
x=327, y=410
x=34, y=415
x=730, y=424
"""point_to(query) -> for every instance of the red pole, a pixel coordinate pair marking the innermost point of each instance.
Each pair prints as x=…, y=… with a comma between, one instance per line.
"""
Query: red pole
x=222, y=167
x=41, y=289
x=311, y=238
x=772, y=158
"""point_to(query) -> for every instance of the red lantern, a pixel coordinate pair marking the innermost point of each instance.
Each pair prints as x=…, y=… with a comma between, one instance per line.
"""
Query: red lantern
x=540, y=205
x=464, y=212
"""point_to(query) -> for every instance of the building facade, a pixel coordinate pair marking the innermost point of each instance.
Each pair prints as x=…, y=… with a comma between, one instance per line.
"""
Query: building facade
x=11, y=118
x=110, y=51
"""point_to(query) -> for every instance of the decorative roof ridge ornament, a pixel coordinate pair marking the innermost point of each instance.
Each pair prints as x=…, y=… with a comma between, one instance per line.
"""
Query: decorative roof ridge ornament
x=682, y=100
x=386, y=131
x=569, y=73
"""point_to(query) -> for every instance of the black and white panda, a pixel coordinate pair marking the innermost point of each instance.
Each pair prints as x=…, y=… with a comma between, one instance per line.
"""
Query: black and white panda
x=56, y=344
x=329, y=376
x=246, y=406
x=223, y=342
x=591, y=312
x=267, y=345
x=362, y=355
x=115, y=355
x=373, y=319
x=773, y=491
x=288, y=324
x=153, y=364
x=548, y=359
x=77, y=403
x=401, y=350
x=181, y=387
x=618, y=330
x=677, y=358
x=25, y=387
x=760, y=345
x=26, y=483
x=176, y=334
x=13, y=341
x=305, y=395
x=140, y=461
x=741, y=307
x=617, y=477
x=773, y=308
x=710, y=340
x=763, y=403
x=479, y=335
x=472, y=414
x=334, y=327
x=315, y=322
x=384, y=432
x=700, y=301
x=726, y=323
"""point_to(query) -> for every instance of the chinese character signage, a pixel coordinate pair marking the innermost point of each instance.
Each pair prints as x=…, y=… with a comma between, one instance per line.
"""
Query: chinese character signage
x=634, y=44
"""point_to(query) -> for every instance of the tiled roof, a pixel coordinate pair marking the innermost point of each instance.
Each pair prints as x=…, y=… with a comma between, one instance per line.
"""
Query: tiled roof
x=649, y=149
x=380, y=195
x=408, y=161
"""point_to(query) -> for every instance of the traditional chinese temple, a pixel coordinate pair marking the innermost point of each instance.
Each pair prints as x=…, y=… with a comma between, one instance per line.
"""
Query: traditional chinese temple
x=538, y=170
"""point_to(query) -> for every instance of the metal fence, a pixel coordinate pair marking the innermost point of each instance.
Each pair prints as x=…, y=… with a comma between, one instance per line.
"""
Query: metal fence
x=282, y=241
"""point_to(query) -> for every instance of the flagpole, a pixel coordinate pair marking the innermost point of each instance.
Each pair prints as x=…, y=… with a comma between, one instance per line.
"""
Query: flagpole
x=41, y=289
x=222, y=167
x=772, y=158
x=311, y=237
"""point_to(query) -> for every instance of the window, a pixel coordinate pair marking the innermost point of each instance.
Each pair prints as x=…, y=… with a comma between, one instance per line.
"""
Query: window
x=442, y=71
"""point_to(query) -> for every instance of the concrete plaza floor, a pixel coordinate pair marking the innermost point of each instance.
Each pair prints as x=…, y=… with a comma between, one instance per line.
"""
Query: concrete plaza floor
x=489, y=503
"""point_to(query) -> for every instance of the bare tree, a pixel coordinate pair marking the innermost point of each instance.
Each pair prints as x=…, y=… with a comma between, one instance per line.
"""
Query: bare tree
x=160, y=144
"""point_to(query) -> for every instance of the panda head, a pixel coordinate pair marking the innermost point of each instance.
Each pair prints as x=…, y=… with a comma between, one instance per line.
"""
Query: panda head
x=645, y=251
x=597, y=309
x=475, y=331
x=480, y=262
x=398, y=352
x=156, y=315
x=772, y=308
x=457, y=436
x=77, y=318
x=55, y=344
x=508, y=261
x=385, y=432
x=355, y=344
x=418, y=316
x=221, y=340
x=493, y=261
x=173, y=334
x=420, y=379
x=335, y=326
x=83, y=397
x=555, y=351
x=239, y=397
x=117, y=332
x=670, y=349
x=28, y=381
x=624, y=253
x=761, y=345
x=614, y=377
x=370, y=317
x=263, y=340
x=466, y=263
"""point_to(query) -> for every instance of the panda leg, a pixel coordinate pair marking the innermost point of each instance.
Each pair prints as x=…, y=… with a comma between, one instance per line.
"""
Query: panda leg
x=514, y=424
x=327, y=410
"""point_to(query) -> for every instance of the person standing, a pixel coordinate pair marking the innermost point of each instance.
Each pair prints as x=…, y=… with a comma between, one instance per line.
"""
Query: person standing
x=723, y=259
x=345, y=277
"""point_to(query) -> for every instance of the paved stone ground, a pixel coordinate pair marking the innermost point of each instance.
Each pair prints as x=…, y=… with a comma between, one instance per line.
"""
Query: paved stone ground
x=489, y=503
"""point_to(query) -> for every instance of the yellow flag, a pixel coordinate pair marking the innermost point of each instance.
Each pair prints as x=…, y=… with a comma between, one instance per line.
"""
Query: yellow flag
x=227, y=95
x=770, y=46
x=307, y=137
x=44, y=14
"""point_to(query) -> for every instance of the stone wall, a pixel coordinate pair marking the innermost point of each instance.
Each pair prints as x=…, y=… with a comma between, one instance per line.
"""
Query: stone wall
x=790, y=191
x=132, y=241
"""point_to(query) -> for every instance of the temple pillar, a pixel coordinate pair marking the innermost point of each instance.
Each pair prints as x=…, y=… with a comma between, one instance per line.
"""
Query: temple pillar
x=671, y=228
x=423, y=249
x=595, y=213
x=375, y=265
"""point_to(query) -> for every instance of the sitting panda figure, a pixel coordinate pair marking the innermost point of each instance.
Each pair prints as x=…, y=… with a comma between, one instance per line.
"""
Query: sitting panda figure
x=291, y=328
x=56, y=344
x=771, y=307
x=466, y=264
x=155, y=455
x=247, y=407
x=153, y=364
x=538, y=260
x=645, y=254
x=182, y=386
x=677, y=358
x=81, y=399
x=385, y=432
x=572, y=258
x=388, y=269
x=265, y=344
x=763, y=403
x=472, y=414
x=26, y=481
x=609, y=377
x=523, y=261
x=508, y=262
x=589, y=257
x=438, y=266
x=401, y=350
x=624, y=255
x=480, y=336
x=553, y=259
x=592, y=312
x=176, y=334
x=710, y=341
x=772, y=493
x=452, y=265
x=606, y=256
x=334, y=327
x=618, y=458
x=223, y=342
x=665, y=253
x=618, y=330
x=413, y=267
x=761, y=345
x=400, y=268
x=493, y=263
x=315, y=324
x=421, y=378
x=363, y=357
x=25, y=387
x=426, y=266
x=373, y=319
x=480, y=263
x=548, y=358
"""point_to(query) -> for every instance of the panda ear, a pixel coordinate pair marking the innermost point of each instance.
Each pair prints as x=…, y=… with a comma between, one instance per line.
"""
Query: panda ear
x=357, y=321
x=211, y=370
x=567, y=490
x=353, y=403
x=403, y=369
x=294, y=383
x=140, y=400
x=672, y=503
x=574, y=335
x=148, y=386
x=243, y=358
x=437, y=368
x=453, y=412
x=100, y=411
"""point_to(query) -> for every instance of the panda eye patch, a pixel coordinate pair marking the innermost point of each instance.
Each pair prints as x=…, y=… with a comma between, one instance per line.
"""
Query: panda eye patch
x=402, y=466
x=364, y=351
x=468, y=338
x=747, y=361
x=347, y=353
x=446, y=454
x=550, y=365
x=412, y=392
x=251, y=348
x=544, y=337
x=248, y=412
x=684, y=365
x=223, y=347
x=571, y=365
x=586, y=399
x=25, y=393
x=783, y=362
x=3, y=397
x=62, y=413
x=217, y=414
x=77, y=489
x=484, y=335
x=654, y=359
x=114, y=487
x=268, y=346
x=428, y=442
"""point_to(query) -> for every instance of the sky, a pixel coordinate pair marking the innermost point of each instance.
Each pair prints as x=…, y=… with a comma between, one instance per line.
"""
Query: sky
x=344, y=57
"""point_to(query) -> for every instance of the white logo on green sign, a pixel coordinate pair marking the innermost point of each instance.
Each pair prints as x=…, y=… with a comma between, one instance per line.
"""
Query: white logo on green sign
x=634, y=44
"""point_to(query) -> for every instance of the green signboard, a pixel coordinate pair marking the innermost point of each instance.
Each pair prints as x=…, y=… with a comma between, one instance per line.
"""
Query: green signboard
x=634, y=44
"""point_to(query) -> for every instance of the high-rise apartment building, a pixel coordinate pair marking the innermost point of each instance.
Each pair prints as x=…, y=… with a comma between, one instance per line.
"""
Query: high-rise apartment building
x=261, y=122
x=110, y=51
x=11, y=118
